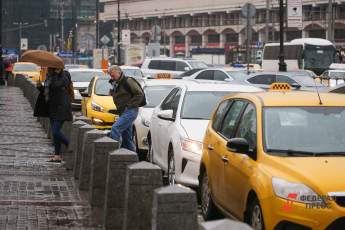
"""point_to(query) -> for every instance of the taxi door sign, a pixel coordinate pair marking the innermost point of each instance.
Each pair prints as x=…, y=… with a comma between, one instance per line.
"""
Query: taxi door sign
x=163, y=76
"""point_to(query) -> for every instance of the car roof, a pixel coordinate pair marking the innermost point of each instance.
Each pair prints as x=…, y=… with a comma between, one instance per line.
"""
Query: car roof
x=157, y=82
x=25, y=63
x=336, y=70
x=294, y=98
x=129, y=67
x=209, y=85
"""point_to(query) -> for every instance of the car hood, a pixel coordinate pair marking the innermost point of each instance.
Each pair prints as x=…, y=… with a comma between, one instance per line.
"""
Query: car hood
x=322, y=174
x=195, y=129
x=105, y=101
x=81, y=84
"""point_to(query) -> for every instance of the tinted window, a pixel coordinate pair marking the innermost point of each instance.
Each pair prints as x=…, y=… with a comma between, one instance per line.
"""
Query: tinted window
x=200, y=105
x=155, y=94
x=219, y=76
x=197, y=64
x=247, y=126
x=154, y=64
x=231, y=118
x=180, y=66
x=168, y=65
x=218, y=116
x=205, y=75
x=285, y=79
x=166, y=105
x=265, y=79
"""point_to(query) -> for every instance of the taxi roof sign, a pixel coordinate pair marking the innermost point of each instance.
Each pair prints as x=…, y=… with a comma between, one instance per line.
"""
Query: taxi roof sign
x=279, y=86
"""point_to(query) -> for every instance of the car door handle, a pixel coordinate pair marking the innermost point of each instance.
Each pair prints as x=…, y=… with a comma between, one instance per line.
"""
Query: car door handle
x=225, y=159
x=210, y=147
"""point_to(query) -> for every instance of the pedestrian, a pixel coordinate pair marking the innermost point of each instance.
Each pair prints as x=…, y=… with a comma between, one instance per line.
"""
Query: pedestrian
x=128, y=96
x=8, y=71
x=54, y=101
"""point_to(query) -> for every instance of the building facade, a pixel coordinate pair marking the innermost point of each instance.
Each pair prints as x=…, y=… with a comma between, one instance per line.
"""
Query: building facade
x=218, y=24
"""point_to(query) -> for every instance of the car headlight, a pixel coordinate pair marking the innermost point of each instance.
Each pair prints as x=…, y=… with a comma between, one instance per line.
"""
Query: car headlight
x=297, y=192
x=76, y=92
x=191, y=146
x=96, y=107
x=145, y=122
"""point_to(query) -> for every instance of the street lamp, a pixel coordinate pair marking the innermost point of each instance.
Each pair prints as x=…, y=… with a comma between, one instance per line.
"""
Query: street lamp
x=282, y=64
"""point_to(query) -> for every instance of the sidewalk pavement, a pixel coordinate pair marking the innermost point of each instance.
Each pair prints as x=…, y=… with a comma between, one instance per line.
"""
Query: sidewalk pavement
x=34, y=194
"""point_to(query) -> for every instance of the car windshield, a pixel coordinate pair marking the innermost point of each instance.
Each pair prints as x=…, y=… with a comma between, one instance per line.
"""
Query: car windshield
x=334, y=74
x=197, y=64
x=238, y=75
x=85, y=76
x=306, y=81
x=155, y=94
x=25, y=67
x=314, y=130
x=318, y=56
x=136, y=73
x=199, y=105
x=102, y=87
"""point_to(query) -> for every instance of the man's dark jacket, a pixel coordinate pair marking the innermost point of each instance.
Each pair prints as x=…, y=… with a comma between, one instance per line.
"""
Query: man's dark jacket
x=129, y=96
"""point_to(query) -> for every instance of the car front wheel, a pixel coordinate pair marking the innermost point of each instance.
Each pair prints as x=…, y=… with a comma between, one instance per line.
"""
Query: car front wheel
x=171, y=167
x=256, y=220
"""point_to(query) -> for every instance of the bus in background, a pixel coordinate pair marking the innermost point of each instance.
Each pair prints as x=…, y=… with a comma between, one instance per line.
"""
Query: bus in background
x=313, y=54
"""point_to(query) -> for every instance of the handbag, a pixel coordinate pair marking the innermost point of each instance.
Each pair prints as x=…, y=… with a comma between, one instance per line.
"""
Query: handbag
x=41, y=107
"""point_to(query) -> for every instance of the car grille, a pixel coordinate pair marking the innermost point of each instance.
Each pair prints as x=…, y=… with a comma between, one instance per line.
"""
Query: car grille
x=81, y=90
x=340, y=200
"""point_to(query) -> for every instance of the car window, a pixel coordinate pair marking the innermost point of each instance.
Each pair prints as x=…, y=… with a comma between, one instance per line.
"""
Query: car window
x=219, y=76
x=154, y=64
x=168, y=65
x=263, y=79
x=167, y=103
x=219, y=115
x=89, y=89
x=180, y=66
x=247, y=126
x=231, y=119
x=285, y=79
x=175, y=102
x=205, y=75
x=102, y=87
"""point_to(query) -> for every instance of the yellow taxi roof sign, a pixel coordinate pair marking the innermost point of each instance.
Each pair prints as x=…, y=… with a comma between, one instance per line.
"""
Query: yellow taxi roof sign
x=163, y=76
x=279, y=86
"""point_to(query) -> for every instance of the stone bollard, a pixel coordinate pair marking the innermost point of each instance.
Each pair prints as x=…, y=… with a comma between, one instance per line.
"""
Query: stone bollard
x=141, y=180
x=115, y=187
x=85, y=157
x=99, y=161
x=70, y=154
x=85, y=119
x=77, y=157
x=174, y=207
x=224, y=224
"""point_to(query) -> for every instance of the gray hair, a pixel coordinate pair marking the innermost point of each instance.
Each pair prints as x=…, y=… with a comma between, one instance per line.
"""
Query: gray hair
x=114, y=67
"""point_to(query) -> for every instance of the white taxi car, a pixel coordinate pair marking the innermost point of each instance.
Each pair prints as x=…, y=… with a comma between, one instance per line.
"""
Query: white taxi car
x=178, y=126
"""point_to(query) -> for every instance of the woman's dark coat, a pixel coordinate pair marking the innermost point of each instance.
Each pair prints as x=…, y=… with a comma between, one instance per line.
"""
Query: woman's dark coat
x=59, y=102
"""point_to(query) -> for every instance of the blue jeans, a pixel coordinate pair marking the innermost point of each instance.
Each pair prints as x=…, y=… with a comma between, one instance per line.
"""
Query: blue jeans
x=121, y=130
x=58, y=135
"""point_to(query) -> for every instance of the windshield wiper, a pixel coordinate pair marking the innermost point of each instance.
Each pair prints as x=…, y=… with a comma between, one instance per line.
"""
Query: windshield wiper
x=330, y=154
x=291, y=152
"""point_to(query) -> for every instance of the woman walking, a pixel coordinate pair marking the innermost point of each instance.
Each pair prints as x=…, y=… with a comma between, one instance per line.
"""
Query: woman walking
x=55, y=102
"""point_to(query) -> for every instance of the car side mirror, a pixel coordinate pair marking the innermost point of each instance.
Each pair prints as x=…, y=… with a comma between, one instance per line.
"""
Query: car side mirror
x=166, y=115
x=186, y=68
x=238, y=145
x=85, y=93
x=296, y=85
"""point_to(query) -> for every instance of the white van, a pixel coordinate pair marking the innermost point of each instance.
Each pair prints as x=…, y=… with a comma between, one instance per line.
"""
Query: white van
x=173, y=66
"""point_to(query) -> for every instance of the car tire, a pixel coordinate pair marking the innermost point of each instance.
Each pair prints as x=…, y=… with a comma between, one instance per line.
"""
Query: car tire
x=171, y=167
x=255, y=218
x=135, y=139
x=208, y=209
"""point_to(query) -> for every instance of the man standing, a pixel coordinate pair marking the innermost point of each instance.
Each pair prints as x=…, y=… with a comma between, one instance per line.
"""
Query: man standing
x=128, y=96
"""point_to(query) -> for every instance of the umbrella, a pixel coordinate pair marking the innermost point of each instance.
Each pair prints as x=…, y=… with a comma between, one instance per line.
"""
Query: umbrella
x=43, y=58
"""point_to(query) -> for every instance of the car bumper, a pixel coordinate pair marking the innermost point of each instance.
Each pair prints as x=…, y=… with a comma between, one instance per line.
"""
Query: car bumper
x=187, y=168
x=278, y=214
x=142, y=132
x=102, y=120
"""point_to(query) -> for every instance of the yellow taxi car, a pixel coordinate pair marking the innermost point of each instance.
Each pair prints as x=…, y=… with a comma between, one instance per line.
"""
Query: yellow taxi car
x=97, y=105
x=276, y=160
x=27, y=68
